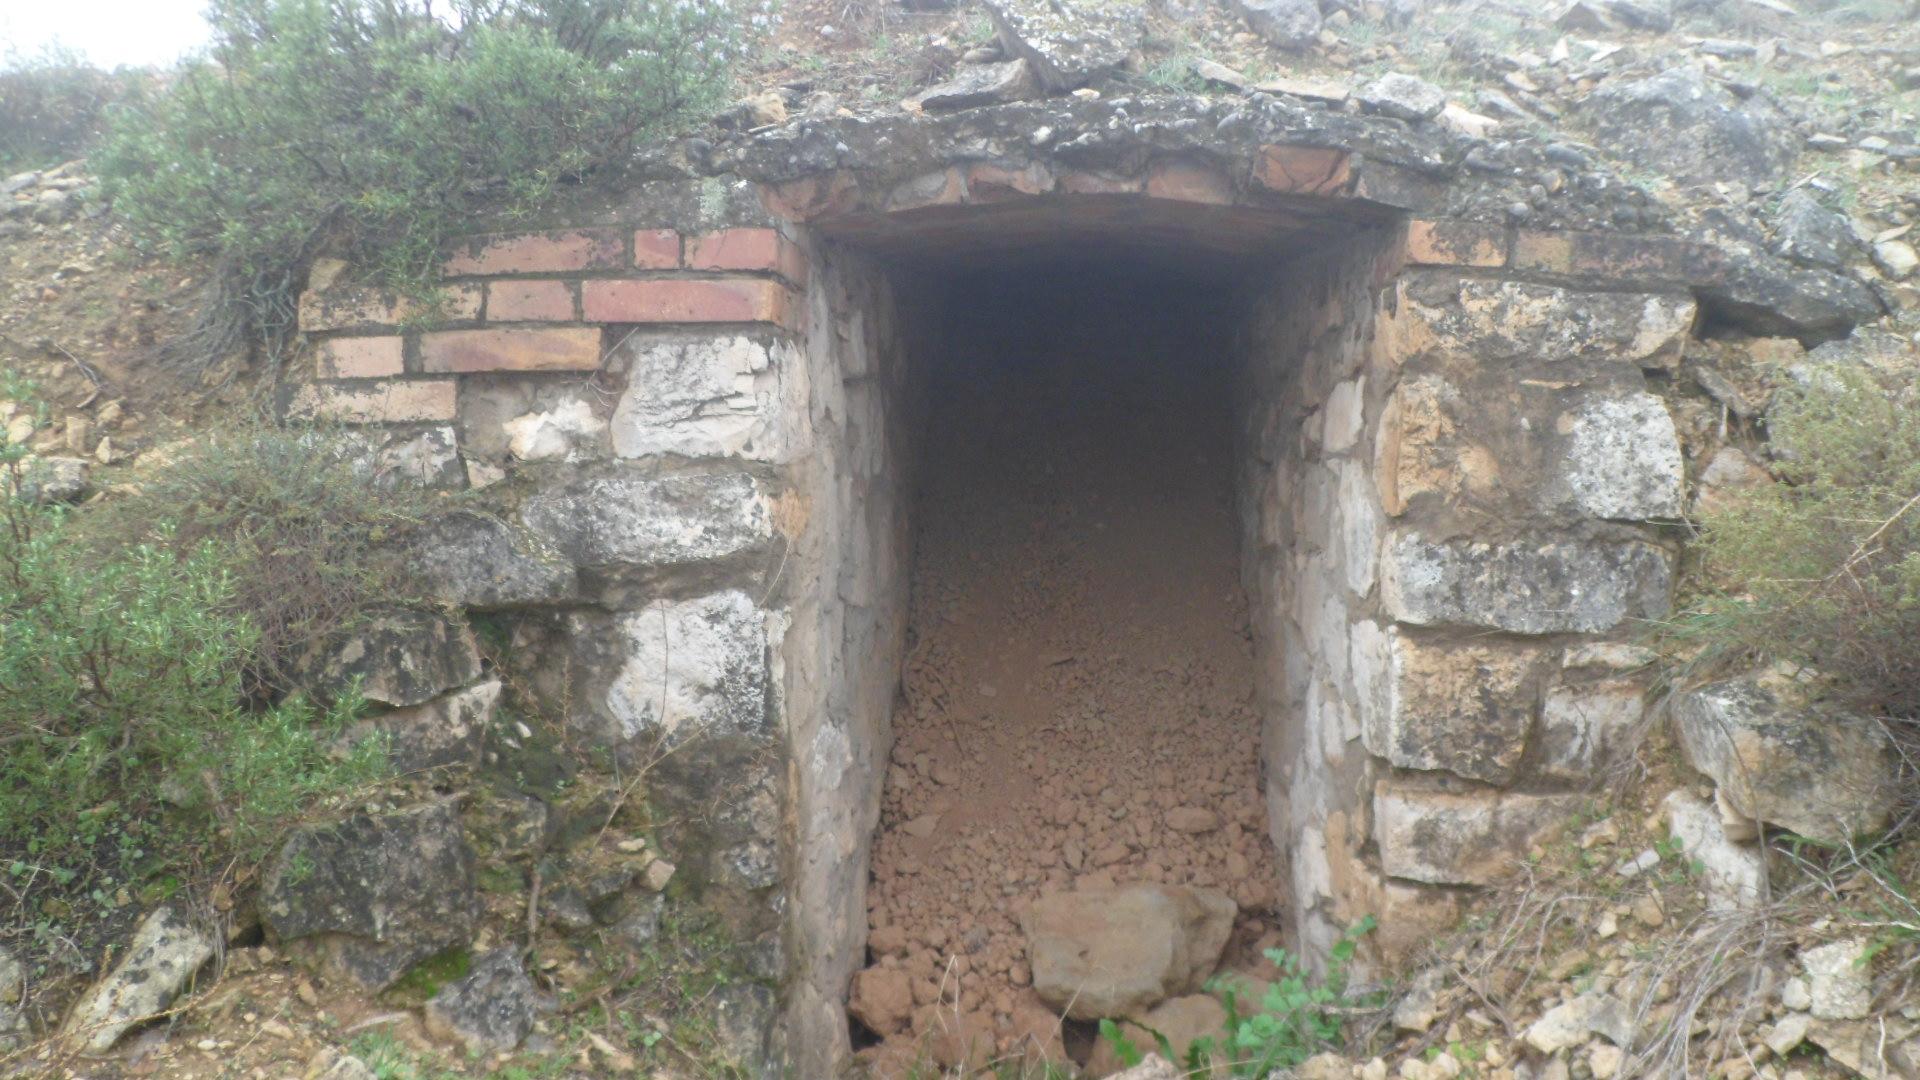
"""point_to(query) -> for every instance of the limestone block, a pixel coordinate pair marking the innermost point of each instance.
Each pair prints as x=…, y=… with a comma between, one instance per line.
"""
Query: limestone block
x=1622, y=458
x=708, y=397
x=529, y=419
x=1112, y=952
x=1458, y=838
x=476, y=560
x=491, y=1008
x=1735, y=874
x=653, y=522
x=1822, y=773
x=1465, y=707
x=399, y=658
x=1503, y=323
x=1585, y=726
x=1067, y=46
x=1557, y=586
x=692, y=667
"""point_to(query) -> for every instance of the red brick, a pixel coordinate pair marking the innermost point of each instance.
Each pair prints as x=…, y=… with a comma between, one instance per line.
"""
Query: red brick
x=396, y=401
x=360, y=357
x=569, y=348
x=1185, y=181
x=1456, y=243
x=656, y=249
x=533, y=253
x=1304, y=170
x=530, y=301
x=661, y=301
x=747, y=249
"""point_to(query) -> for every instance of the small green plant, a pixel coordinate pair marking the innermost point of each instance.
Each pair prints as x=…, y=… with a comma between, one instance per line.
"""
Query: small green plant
x=1296, y=1018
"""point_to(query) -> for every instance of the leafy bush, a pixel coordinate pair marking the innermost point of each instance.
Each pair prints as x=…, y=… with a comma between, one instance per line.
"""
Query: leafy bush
x=385, y=126
x=53, y=106
x=1823, y=569
x=125, y=739
x=1296, y=1018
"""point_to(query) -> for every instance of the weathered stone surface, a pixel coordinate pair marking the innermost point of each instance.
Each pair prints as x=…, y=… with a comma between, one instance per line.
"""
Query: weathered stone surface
x=711, y=654
x=1729, y=472
x=710, y=397
x=1838, y=980
x=1403, y=97
x=743, y=1016
x=1451, y=838
x=1735, y=874
x=982, y=84
x=1115, y=952
x=1585, y=726
x=447, y=731
x=1499, y=322
x=1570, y=1023
x=400, y=658
x=1686, y=126
x=490, y=1009
x=156, y=965
x=45, y=480
x=475, y=560
x=1819, y=772
x=1288, y=24
x=391, y=401
x=424, y=457
x=532, y=419
x=1465, y=708
x=1068, y=42
x=654, y=522
x=1622, y=458
x=570, y=431
x=1181, y=1020
x=1809, y=233
x=373, y=895
x=1770, y=296
x=1528, y=588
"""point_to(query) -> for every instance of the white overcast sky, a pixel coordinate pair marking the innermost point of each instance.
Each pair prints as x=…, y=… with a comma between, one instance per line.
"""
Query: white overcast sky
x=109, y=32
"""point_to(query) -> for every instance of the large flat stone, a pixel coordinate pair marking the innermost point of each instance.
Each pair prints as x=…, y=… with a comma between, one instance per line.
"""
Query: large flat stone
x=1512, y=322
x=1561, y=586
x=653, y=522
x=1457, y=838
x=1068, y=42
x=155, y=966
x=1621, y=458
x=1818, y=771
x=475, y=560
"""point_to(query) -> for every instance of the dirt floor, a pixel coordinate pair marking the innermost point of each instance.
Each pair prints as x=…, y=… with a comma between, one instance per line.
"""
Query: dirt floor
x=1078, y=704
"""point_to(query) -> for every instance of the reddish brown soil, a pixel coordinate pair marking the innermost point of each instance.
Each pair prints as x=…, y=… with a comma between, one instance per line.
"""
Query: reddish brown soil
x=1080, y=684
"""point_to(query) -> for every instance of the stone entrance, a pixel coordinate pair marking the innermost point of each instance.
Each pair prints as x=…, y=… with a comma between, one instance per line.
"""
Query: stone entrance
x=720, y=404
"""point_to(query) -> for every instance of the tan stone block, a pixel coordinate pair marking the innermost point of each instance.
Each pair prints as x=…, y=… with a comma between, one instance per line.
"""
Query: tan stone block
x=1618, y=257
x=1456, y=243
x=944, y=188
x=812, y=196
x=1420, y=449
x=544, y=252
x=571, y=348
x=394, y=401
x=1465, y=707
x=530, y=301
x=360, y=357
x=1462, y=838
x=1093, y=183
x=1304, y=170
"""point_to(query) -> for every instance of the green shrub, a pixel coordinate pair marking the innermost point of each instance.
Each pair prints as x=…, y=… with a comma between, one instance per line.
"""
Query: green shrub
x=1823, y=569
x=1294, y=1020
x=53, y=107
x=382, y=126
x=125, y=741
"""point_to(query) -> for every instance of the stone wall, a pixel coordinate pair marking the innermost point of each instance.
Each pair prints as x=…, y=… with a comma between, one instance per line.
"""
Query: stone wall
x=694, y=416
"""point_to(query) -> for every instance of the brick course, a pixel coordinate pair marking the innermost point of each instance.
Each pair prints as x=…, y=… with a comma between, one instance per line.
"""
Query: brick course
x=571, y=348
